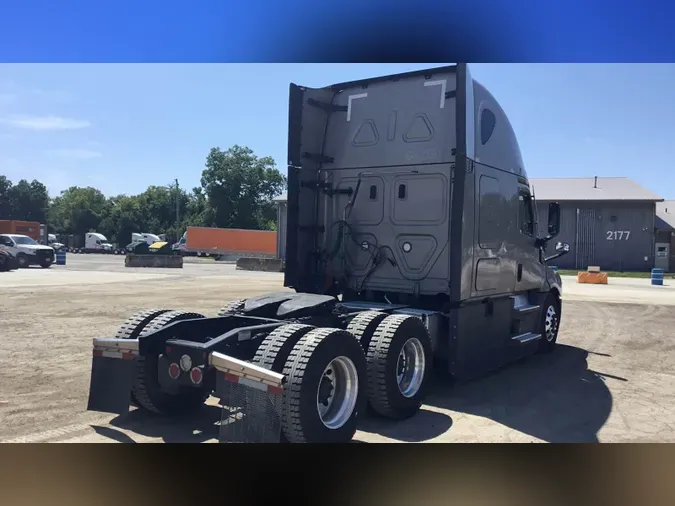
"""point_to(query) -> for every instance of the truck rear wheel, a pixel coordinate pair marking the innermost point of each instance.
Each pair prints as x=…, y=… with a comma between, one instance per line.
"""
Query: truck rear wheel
x=276, y=347
x=147, y=390
x=325, y=388
x=232, y=307
x=133, y=327
x=399, y=360
x=363, y=326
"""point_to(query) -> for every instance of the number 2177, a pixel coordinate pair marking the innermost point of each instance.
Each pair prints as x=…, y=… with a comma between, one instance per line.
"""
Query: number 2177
x=618, y=235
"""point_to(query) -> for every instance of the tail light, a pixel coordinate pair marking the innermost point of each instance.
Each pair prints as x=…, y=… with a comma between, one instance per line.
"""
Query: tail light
x=174, y=371
x=196, y=375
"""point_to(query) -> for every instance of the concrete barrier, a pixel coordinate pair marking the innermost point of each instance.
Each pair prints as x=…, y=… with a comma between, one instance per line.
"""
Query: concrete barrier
x=260, y=264
x=170, y=261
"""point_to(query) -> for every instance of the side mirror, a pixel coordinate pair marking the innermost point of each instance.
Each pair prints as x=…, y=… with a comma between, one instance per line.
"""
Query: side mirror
x=562, y=247
x=553, y=219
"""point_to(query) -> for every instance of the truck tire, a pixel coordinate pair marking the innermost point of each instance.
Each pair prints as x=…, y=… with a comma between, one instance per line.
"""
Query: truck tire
x=146, y=389
x=325, y=391
x=22, y=261
x=363, y=326
x=232, y=307
x=133, y=327
x=550, y=323
x=276, y=347
x=399, y=360
x=273, y=352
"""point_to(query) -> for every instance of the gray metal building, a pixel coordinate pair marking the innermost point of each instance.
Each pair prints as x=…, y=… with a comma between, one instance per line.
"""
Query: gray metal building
x=665, y=235
x=607, y=221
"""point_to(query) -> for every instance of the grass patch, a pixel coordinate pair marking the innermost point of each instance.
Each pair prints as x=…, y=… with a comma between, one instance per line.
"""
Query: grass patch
x=617, y=274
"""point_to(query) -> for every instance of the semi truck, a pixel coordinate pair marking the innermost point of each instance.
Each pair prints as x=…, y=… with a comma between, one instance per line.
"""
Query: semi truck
x=412, y=244
x=211, y=241
x=94, y=243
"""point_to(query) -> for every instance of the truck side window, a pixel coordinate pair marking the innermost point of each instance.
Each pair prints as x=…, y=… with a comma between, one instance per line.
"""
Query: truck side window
x=525, y=213
x=487, y=125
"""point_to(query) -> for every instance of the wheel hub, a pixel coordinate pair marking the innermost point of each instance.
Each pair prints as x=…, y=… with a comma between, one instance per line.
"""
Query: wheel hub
x=551, y=323
x=337, y=392
x=410, y=367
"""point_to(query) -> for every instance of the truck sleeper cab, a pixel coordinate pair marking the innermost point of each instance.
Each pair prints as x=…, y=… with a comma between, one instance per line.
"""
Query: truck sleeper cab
x=411, y=241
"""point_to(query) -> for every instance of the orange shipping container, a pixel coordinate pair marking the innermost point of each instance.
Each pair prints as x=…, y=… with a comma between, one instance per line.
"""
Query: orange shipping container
x=260, y=242
x=29, y=228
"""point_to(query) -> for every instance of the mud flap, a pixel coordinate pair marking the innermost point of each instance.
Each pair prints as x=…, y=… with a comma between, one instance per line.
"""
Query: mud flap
x=110, y=385
x=250, y=397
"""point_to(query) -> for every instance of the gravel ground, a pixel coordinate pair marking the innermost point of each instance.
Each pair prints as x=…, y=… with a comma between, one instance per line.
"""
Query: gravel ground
x=610, y=380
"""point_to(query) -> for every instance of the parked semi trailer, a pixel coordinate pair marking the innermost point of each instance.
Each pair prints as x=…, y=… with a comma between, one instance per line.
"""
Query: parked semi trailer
x=19, y=227
x=210, y=241
x=411, y=244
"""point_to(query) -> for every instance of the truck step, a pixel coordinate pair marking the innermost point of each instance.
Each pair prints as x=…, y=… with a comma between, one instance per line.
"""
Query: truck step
x=526, y=337
x=526, y=309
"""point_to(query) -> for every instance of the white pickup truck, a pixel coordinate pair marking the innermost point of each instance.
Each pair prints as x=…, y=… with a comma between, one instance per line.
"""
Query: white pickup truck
x=27, y=251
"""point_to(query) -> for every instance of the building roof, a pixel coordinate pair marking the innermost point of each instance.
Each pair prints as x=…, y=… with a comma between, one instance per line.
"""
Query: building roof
x=590, y=188
x=665, y=215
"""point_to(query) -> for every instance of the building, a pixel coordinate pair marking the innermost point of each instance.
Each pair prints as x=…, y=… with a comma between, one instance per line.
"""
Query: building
x=611, y=222
x=665, y=235
x=607, y=221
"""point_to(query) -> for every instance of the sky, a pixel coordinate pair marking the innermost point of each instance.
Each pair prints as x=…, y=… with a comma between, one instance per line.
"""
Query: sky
x=123, y=127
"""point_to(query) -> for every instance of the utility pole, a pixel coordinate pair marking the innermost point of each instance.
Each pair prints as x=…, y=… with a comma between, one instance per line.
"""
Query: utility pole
x=177, y=209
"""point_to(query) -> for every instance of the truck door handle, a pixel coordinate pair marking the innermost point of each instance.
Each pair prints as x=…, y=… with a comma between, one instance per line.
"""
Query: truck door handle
x=520, y=272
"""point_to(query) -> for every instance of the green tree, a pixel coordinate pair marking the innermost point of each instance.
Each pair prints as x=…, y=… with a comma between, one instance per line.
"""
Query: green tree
x=239, y=188
x=5, y=205
x=79, y=210
x=24, y=200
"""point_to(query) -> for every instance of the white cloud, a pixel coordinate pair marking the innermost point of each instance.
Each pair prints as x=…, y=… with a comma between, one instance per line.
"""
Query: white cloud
x=45, y=123
x=80, y=154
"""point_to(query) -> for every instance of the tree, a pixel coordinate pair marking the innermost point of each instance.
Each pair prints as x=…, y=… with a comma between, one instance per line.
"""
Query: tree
x=23, y=201
x=79, y=210
x=5, y=205
x=239, y=188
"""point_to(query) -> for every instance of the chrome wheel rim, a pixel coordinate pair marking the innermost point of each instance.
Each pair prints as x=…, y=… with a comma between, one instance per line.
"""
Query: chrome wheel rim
x=337, y=392
x=410, y=367
x=551, y=323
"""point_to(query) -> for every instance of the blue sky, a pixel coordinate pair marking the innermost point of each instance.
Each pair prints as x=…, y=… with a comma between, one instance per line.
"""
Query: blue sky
x=122, y=127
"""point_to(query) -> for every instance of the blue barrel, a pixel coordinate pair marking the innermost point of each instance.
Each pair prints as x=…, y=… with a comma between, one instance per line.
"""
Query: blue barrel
x=555, y=268
x=60, y=257
x=657, y=276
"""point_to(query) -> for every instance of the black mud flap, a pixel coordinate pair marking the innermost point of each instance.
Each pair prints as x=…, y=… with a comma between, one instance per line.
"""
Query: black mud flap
x=249, y=415
x=110, y=385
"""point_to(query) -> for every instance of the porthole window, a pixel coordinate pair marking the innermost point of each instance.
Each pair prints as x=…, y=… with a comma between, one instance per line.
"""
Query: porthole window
x=487, y=125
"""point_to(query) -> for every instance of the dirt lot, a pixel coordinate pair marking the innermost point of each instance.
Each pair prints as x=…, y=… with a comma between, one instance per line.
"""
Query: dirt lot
x=611, y=379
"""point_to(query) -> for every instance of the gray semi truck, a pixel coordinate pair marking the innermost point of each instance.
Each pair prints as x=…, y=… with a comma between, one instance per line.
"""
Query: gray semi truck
x=411, y=244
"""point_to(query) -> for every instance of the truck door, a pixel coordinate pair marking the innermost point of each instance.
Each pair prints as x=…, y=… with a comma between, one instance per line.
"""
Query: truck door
x=529, y=269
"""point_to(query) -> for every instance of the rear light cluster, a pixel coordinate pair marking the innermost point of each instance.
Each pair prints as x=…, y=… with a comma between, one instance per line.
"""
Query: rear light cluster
x=196, y=374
